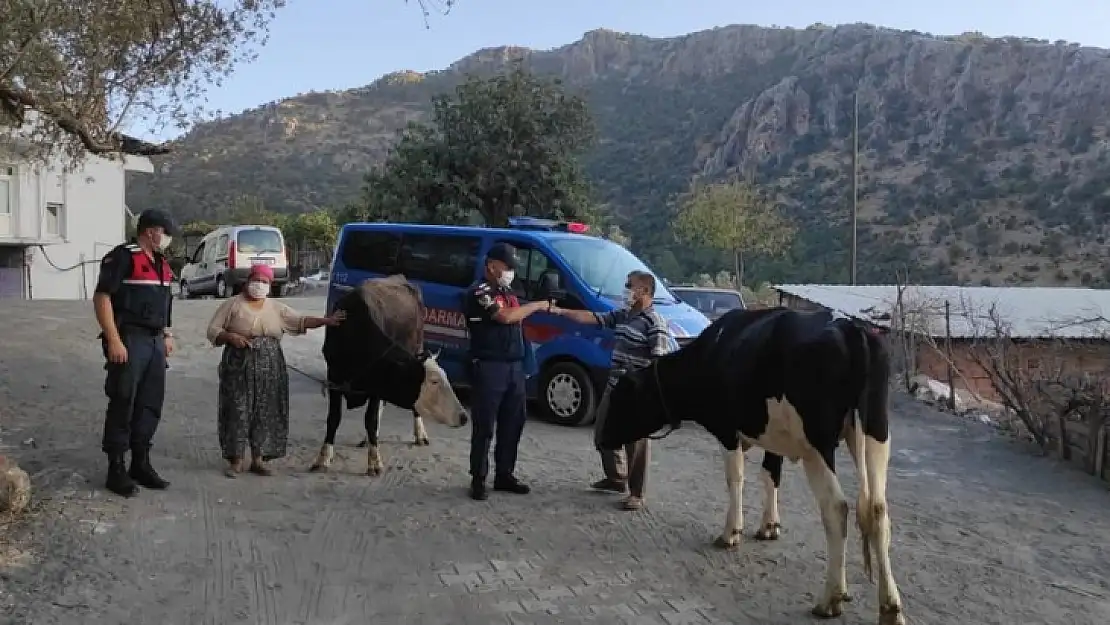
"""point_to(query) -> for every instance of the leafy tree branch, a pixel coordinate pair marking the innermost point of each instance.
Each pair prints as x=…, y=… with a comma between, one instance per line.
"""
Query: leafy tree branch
x=74, y=72
x=732, y=217
x=497, y=147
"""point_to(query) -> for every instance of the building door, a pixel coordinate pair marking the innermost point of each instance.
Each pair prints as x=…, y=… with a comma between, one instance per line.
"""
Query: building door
x=11, y=272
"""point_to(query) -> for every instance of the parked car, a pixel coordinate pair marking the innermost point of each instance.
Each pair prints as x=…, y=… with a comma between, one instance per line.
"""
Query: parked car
x=573, y=359
x=315, y=280
x=222, y=260
x=711, y=302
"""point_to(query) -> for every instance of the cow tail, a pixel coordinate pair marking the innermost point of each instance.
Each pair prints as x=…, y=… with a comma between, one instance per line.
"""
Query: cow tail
x=860, y=352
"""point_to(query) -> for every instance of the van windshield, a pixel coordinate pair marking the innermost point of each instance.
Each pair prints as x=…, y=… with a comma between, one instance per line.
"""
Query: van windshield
x=258, y=241
x=604, y=265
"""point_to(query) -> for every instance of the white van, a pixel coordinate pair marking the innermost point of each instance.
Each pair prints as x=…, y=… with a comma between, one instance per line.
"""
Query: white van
x=221, y=262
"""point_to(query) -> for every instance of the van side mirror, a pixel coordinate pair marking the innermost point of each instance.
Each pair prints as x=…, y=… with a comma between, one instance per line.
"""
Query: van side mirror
x=549, y=287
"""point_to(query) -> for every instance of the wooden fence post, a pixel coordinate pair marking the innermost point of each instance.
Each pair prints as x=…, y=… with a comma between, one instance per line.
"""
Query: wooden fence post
x=1100, y=452
x=948, y=356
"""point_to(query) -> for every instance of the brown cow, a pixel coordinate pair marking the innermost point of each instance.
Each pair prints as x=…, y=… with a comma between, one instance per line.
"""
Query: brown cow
x=375, y=356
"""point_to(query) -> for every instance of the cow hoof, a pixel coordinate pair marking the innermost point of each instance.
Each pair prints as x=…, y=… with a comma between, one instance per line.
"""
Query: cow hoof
x=319, y=468
x=891, y=615
x=421, y=442
x=771, y=531
x=830, y=610
x=374, y=471
x=730, y=542
x=364, y=443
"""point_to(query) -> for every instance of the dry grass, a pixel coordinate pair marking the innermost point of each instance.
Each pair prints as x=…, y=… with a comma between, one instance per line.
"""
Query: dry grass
x=15, y=487
x=15, y=496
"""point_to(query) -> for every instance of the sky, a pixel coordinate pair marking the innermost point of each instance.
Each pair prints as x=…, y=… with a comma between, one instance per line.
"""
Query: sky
x=318, y=45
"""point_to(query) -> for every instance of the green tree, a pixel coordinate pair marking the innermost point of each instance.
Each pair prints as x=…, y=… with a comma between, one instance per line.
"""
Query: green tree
x=315, y=231
x=498, y=147
x=732, y=217
x=86, y=68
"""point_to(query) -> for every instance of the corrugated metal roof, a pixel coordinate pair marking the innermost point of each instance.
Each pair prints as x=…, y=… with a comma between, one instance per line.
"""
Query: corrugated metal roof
x=1027, y=312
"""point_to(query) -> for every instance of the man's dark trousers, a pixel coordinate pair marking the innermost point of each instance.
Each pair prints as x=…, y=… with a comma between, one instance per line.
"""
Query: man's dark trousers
x=135, y=391
x=498, y=402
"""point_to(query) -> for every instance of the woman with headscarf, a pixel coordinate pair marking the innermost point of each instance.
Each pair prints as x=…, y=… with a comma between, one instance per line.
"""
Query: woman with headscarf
x=253, y=406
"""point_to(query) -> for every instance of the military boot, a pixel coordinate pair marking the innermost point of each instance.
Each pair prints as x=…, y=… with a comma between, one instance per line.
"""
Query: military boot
x=119, y=482
x=143, y=473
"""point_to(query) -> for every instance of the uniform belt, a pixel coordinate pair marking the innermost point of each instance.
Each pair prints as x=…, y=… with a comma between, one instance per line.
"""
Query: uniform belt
x=507, y=360
x=136, y=329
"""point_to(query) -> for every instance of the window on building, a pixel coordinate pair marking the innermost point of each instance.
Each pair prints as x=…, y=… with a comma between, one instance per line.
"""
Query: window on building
x=441, y=259
x=7, y=198
x=55, y=219
x=373, y=252
x=7, y=188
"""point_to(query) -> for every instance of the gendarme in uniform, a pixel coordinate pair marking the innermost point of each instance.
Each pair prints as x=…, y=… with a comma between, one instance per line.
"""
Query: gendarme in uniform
x=497, y=351
x=136, y=282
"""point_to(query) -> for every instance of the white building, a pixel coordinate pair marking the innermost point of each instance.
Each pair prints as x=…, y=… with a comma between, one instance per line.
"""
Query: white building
x=56, y=225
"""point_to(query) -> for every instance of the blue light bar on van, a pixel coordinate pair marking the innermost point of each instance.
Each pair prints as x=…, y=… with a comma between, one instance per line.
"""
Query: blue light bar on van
x=548, y=225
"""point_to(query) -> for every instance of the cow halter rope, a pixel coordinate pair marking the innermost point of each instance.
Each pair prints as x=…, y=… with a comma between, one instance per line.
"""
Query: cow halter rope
x=326, y=386
x=672, y=423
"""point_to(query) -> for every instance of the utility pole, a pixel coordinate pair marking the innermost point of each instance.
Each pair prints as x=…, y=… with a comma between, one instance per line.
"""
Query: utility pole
x=855, y=181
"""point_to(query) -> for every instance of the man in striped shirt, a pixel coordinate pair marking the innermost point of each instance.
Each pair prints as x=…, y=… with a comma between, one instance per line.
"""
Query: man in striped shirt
x=641, y=336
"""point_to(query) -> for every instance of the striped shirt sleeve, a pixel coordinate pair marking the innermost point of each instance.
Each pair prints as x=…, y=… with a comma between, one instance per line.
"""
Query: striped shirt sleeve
x=613, y=318
x=658, y=335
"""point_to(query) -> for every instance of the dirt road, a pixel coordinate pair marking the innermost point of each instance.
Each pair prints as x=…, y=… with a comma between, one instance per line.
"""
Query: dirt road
x=983, y=533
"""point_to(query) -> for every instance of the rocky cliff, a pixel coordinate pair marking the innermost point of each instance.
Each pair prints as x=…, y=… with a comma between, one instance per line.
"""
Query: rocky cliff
x=981, y=160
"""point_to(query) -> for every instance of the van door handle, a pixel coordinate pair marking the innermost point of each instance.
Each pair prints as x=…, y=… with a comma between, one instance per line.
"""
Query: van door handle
x=342, y=287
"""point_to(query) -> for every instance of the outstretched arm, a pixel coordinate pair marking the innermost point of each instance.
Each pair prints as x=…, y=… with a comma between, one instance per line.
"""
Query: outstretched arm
x=510, y=316
x=481, y=305
x=608, y=319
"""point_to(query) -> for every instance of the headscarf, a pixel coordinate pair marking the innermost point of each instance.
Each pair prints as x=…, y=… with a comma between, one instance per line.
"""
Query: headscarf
x=261, y=271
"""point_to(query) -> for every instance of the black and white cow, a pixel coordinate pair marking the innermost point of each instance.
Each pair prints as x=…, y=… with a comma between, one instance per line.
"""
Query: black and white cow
x=795, y=384
x=376, y=356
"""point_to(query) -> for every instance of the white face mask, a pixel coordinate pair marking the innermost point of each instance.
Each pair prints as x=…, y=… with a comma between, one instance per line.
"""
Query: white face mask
x=626, y=295
x=164, y=243
x=506, y=278
x=258, y=290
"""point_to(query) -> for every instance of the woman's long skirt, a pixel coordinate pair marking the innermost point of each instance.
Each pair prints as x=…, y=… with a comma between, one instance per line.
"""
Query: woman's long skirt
x=253, y=404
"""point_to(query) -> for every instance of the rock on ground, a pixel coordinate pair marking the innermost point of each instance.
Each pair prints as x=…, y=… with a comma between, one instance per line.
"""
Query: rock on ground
x=983, y=531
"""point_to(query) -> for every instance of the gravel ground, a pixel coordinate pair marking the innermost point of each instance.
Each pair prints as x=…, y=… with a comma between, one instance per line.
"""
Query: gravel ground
x=983, y=531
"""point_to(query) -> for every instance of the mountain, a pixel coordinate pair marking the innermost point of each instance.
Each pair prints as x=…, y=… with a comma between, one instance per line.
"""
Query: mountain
x=981, y=160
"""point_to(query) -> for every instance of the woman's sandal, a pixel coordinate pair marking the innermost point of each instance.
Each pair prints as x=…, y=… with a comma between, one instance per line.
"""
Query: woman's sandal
x=234, y=468
x=259, y=468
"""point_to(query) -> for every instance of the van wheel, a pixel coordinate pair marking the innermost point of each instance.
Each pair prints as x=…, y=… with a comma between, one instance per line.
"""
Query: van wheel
x=276, y=290
x=221, y=288
x=567, y=394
